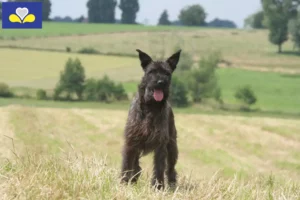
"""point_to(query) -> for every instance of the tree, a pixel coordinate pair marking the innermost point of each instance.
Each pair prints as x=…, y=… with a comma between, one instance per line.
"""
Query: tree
x=0, y=10
x=46, y=9
x=129, y=9
x=5, y=91
x=164, y=18
x=104, y=90
x=62, y=19
x=278, y=13
x=294, y=28
x=41, y=94
x=79, y=19
x=101, y=11
x=221, y=23
x=255, y=20
x=179, y=93
x=185, y=63
x=193, y=15
x=258, y=20
x=71, y=79
x=203, y=82
x=246, y=95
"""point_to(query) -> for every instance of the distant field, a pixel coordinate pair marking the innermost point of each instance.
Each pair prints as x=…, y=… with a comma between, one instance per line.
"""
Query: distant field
x=256, y=157
x=275, y=92
x=240, y=48
x=63, y=29
x=41, y=69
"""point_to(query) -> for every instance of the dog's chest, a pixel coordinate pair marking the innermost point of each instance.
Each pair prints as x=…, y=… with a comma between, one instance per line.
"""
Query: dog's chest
x=154, y=130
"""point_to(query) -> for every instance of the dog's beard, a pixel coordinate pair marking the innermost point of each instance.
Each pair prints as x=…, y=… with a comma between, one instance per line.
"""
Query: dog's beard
x=148, y=95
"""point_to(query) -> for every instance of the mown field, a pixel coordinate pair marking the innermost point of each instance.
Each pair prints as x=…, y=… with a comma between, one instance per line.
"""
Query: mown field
x=42, y=69
x=75, y=153
x=248, y=49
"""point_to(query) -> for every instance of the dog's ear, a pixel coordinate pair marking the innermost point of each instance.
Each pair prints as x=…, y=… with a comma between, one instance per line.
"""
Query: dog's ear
x=144, y=58
x=173, y=60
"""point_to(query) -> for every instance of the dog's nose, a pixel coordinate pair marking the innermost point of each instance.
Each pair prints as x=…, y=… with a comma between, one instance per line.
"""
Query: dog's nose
x=160, y=82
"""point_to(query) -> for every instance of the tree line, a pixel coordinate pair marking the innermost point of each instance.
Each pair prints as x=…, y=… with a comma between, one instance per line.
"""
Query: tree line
x=103, y=11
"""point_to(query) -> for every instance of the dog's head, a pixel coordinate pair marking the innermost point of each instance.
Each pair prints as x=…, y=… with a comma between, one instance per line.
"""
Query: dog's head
x=157, y=76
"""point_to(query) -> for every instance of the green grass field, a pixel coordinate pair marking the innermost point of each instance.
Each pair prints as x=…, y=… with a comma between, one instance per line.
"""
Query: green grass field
x=275, y=91
x=64, y=29
x=254, y=158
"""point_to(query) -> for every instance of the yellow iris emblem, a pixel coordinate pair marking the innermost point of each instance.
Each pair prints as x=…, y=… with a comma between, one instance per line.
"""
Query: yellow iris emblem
x=22, y=16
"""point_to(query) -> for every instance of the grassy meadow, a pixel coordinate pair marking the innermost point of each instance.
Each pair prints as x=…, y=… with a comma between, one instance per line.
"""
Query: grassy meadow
x=79, y=154
x=72, y=150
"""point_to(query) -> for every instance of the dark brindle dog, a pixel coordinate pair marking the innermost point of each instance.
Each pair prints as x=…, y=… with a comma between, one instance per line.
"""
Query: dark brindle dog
x=150, y=125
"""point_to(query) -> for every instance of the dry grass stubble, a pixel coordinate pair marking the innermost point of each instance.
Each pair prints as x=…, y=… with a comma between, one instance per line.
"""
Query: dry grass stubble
x=75, y=154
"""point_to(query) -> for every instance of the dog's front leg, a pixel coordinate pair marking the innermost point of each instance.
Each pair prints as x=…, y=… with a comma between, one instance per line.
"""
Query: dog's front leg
x=160, y=156
x=130, y=154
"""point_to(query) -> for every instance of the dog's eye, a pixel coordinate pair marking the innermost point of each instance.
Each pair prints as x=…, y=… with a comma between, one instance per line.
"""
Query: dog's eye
x=152, y=71
x=167, y=73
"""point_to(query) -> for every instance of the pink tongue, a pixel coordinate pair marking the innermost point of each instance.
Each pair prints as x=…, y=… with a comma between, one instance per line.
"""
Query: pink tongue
x=158, y=95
